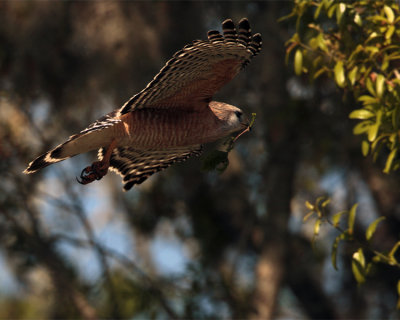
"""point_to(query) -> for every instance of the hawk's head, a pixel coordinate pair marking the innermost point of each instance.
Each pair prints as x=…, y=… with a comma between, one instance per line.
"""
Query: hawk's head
x=231, y=117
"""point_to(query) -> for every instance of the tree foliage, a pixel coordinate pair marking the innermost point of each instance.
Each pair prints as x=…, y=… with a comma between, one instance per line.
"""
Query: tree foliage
x=187, y=243
x=357, y=44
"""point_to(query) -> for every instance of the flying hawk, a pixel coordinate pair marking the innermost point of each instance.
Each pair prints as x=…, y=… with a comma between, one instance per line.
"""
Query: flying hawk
x=170, y=119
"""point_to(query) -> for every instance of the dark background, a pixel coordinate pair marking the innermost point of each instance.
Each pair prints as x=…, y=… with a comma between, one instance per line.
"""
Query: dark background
x=186, y=243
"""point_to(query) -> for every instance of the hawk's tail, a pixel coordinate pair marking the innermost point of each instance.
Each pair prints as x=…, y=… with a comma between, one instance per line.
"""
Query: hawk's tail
x=55, y=155
x=76, y=144
x=95, y=136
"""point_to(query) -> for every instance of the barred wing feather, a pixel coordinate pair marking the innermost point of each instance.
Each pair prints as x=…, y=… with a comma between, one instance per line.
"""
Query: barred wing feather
x=135, y=166
x=199, y=70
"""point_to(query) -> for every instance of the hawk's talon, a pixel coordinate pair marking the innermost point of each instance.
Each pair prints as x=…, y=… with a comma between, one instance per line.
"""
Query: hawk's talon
x=94, y=172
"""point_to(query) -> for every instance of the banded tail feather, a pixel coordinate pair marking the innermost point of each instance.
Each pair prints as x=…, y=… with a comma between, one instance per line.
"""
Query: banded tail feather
x=88, y=139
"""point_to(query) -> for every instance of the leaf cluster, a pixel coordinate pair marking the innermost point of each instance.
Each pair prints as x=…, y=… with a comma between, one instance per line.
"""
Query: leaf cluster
x=361, y=266
x=357, y=44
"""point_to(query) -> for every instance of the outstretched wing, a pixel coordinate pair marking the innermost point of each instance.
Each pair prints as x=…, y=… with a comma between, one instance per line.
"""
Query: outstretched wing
x=199, y=70
x=135, y=166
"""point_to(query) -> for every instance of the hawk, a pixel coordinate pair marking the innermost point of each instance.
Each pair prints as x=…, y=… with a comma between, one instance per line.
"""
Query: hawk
x=172, y=117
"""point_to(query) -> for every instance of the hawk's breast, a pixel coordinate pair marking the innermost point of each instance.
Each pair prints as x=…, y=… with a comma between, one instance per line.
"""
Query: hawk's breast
x=163, y=128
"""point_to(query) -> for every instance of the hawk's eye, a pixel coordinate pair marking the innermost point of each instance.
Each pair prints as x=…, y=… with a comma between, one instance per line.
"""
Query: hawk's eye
x=239, y=114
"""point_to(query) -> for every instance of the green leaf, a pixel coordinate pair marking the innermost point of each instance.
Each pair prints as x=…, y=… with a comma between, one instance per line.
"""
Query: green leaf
x=370, y=87
x=367, y=100
x=389, y=13
x=352, y=218
x=317, y=227
x=318, y=10
x=298, y=62
x=339, y=74
x=358, y=266
x=321, y=42
x=309, y=205
x=361, y=114
x=335, y=246
x=340, y=9
x=362, y=127
x=308, y=216
x=358, y=20
x=336, y=218
x=331, y=10
x=353, y=75
x=372, y=227
x=318, y=73
x=389, y=160
x=373, y=129
x=380, y=85
x=325, y=203
x=364, y=148
x=372, y=132
x=391, y=255
x=389, y=33
x=372, y=50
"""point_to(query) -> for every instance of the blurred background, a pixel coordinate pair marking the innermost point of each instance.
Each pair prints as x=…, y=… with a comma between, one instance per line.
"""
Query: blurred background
x=186, y=243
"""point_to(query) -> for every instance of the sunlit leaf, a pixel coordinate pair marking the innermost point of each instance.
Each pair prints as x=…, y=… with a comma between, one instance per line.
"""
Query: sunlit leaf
x=389, y=160
x=372, y=132
x=370, y=87
x=331, y=10
x=336, y=217
x=362, y=127
x=373, y=129
x=339, y=74
x=389, y=13
x=340, y=9
x=391, y=255
x=352, y=218
x=318, y=10
x=319, y=72
x=321, y=42
x=325, y=203
x=309, y=205
x=317, y=227
x=335, y=246
x=308, y=216
x=361, y=114
x=358, y=266
x=353, y=75
x=372, y=50
x=389, y=32
x=367, y=99
x=357, y=20
x=385, y=63
x=298, y=62
x=365, y=148
x=372, y=227
x=380, y=85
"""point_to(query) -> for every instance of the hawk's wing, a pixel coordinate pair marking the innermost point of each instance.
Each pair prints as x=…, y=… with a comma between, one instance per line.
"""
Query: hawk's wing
x=199, y=70
x=135, y=166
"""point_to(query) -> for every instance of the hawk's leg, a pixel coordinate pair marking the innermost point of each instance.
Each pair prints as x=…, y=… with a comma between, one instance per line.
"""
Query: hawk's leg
x=98, y=169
